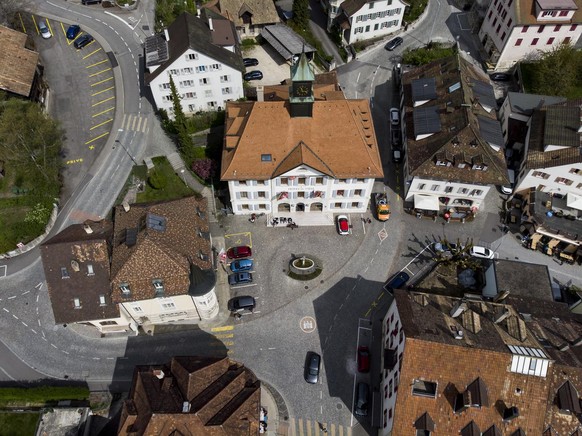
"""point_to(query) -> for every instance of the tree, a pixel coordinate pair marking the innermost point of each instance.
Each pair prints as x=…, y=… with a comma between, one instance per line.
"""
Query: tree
x=557, y=71
x=204, y=168
x=301, y=13
x=179, y=117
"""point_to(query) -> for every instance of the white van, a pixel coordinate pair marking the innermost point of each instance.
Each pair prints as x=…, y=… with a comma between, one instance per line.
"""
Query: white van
x=508, y=189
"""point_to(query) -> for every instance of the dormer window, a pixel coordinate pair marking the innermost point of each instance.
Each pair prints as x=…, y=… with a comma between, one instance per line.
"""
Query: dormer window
x=424, y=388
x=441, y=163
x=102, y=301
x=64, y=273
x=125, y=291
x=77, y=303
x=158, y=287
x=90, y=271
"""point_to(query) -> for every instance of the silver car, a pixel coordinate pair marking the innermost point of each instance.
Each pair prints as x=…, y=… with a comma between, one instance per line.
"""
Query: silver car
x=44, y=30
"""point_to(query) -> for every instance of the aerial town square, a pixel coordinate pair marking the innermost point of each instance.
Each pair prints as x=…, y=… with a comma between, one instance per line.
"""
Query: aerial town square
x=291, y=217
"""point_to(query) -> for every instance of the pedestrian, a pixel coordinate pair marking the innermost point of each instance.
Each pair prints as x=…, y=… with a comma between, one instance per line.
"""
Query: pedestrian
x=369, y=221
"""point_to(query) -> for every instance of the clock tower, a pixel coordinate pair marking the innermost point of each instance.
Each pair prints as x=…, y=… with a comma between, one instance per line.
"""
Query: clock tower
x=301, y=89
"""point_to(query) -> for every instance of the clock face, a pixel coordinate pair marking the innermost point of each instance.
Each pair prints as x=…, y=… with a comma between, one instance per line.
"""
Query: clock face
x=302, y=90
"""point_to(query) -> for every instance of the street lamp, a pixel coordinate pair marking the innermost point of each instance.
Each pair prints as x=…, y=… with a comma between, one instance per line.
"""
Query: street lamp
x=126, y=150
x=183, y=178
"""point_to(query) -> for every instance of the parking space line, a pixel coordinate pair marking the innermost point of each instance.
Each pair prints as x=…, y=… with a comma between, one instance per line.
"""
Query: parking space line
x=96, y=138
x=101, y=124
x=103, y=90
x=103, y=101
x=99, y=72
x=93, y=52
x=102, y=81
x=98, y=63
x=222, y=329
x=49, y=26
x=103, y=112
x=35, y=25
x=22, y=22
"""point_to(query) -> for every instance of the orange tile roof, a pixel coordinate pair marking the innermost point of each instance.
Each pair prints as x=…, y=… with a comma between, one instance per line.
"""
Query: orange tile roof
x=17, y=63
x=339, y=140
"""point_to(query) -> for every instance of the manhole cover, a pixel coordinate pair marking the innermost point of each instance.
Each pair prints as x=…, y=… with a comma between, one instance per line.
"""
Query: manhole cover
x=307, y=324
x=339, y=406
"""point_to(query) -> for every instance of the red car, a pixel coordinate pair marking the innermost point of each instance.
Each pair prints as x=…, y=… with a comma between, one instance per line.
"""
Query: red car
x=363, y=359
x=239, y=252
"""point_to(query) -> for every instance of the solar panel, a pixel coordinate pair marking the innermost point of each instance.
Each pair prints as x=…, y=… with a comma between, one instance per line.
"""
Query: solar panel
x=156, y=50
x=426, y=120
x=424, y=89
x=156, y=222
x=490, y=130
x=454, y=87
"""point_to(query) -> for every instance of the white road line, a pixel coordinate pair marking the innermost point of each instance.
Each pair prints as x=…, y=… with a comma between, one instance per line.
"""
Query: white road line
x=96, y=358
x=37, y=297
x=7, y=375
x=24, y=324
x=45, y=339
x=5, y=270
x=34, y=331
x=69, y=10
x=5, y=310
x=39, y=325
x=15, y=317
x=65, y=352
x=11, y=298
x=26, y=292
x=54, y=346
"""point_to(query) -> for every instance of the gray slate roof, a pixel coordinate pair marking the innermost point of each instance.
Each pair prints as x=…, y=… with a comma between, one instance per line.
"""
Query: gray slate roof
x=526, y=103
x=283, y=39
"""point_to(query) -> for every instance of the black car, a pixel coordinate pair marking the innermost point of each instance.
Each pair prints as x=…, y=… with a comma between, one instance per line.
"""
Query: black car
x=312, y=363
x=500, y=77
x=240, y=278
x=250, y=62
x=241, y=303
x=393, y=43
x=253, y=75
x=90, y=2
x=396, y=137
x=362, y=394
x=83, y=40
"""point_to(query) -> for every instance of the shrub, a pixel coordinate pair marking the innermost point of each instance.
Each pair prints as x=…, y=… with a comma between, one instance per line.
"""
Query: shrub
x=157, y=180
x=204, y=168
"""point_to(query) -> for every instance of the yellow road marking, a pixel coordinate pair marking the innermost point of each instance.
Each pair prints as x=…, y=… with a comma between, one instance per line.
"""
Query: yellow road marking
x=98, y=63
x=73, y=161
x=103, y=90
x=102, y=112
x=102, y=101
x=35, y=25
x=225, y=336
x=102, y=81
x=22, y=22
x=91, y=147
x=222, y=329
x=49, y=26
x=228, y=343
x=99, y=72
x=93, y=52
x=98, y=137
x=104, y=122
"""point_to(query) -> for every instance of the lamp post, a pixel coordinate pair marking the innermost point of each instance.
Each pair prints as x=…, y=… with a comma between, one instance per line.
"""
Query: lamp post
x=183, y=178
x=126, y=150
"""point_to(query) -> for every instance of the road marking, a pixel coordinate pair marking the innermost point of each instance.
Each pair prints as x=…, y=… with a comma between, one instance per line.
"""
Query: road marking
x=74, y=161
x=5, y=267
x=38, y=286
x=35, y=25
x=224, y=336
x=5, y=310
x=7, y=375
x=49, y=26
x=102, y=81
x=103, y=101
x=54, y=346
x=22, y=23
x=24, y=324
x=101, y=124
x=34, y=331
x=97, y=63
x=103, y=112
x=98, y=137
x=222, y=329
x=92, y=53
x=12, y=297
x=26, y=292
x=99, y=72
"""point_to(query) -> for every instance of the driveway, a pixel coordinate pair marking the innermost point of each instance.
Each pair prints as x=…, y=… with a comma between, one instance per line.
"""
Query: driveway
x=275, y=69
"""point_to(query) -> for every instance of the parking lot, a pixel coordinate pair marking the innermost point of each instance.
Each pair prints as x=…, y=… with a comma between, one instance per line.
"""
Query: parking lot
x=81, y=91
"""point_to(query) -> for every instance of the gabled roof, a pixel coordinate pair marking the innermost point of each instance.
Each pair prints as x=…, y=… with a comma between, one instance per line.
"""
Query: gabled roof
x=526, y=103
x=524, y=11
x=287, y=43
x=159, y=241
x=339, y=139
x=189, y=32
x=17, y=63
x=458, y=119
x=76, y=267
x=262, y=12
x=192, y=395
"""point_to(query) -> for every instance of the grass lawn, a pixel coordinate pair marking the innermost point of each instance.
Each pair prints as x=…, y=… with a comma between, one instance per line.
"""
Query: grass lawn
x=174, y=185
x=21, y=424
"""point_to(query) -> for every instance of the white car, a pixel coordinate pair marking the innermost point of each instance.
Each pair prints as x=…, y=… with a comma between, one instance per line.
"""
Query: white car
x=44, y=30
x=481, y=252
x=394, y=116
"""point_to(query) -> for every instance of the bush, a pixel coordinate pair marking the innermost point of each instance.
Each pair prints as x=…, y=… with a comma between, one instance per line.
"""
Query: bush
x=204, y=168
x=157, y=179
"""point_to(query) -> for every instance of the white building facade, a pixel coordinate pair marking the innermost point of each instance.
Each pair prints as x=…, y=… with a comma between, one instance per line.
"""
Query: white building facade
x=436, y=191
x=301, y=190
x=371, y=19
x=511, y=32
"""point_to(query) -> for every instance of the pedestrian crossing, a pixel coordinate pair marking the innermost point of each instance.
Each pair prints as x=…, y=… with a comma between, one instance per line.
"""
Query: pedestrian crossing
x=224, y=337
x=136, y=123
x=307, y=427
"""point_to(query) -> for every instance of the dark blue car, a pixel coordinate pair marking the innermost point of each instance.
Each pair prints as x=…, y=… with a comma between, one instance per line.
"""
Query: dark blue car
x=253, y=75
x=73, y=31
x=397, y=281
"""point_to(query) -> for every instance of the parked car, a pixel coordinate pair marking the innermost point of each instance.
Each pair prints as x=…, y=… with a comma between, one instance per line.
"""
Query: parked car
x=393, y=43
x=44, y=30
x=90, y=2
x=239, y=252
x=397, y=281
x=73, y=31
x=241, y=265
x=500, y=77
x=446, y=247
x=363, y=359
x=396, y=137
x=240, y=278
x=394, y=116
x=82, y=41
x=396, y=155
x=253, y=75
x=343, y=225
x=241, y=303
x=362, y=394
x=481, y=252
x=250, y=62
x=312, y=363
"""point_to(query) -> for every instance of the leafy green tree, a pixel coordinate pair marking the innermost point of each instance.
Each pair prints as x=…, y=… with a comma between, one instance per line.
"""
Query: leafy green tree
x=179, y=116
x=301, y=13
x=558, y=71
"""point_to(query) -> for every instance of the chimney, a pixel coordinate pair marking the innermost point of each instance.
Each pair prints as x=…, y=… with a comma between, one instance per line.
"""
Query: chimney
x=75, y=266
x=210, y=25
x=166, y=34
x=159, y=373
x=563, y=346
x=577, y=342
x=87, y=228
x=125, y=205
x=458, y=308
x=260, y=93
x=510, y=413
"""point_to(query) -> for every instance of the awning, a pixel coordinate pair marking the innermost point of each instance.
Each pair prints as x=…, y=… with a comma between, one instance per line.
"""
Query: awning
x=426, y=202
x=574, y=201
